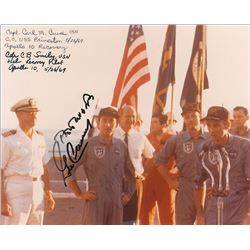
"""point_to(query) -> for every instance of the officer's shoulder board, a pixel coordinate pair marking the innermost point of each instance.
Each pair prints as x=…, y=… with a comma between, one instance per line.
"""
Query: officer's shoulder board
x=9, y=133
x=39, y=133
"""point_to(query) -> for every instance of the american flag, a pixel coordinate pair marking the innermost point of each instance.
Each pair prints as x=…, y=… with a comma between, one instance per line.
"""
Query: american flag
x=134, y=69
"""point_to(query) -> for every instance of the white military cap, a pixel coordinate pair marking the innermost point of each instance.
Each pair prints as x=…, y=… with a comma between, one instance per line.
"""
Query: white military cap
x=27, y=104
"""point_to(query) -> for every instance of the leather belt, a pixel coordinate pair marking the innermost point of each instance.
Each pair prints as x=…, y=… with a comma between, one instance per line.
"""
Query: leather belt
x=23, y=178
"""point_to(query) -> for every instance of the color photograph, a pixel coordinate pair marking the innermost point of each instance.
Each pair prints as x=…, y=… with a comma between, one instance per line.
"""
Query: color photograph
x=125, y=125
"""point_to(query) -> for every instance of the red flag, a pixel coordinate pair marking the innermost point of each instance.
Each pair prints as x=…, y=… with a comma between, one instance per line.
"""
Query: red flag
x=134, y=69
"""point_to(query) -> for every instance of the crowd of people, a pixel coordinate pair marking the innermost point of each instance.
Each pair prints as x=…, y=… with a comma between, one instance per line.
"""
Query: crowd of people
x=173, y=177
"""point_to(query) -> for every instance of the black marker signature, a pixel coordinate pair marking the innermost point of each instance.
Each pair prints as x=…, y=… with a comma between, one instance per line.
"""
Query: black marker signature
x=73, y=154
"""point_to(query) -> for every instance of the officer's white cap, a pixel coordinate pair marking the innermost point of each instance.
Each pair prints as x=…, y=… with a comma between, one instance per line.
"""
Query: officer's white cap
x=27, y=104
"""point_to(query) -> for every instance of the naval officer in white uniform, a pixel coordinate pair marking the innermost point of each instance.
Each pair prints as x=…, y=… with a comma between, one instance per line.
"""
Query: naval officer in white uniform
x=25, y=188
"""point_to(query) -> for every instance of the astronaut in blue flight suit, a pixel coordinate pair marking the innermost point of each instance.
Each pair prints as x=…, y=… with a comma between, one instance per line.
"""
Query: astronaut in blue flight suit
x=183, y=147
x=238, y=151
x=109, y=172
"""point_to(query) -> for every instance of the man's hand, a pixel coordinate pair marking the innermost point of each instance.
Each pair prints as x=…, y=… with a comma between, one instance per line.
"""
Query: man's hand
x=173, y=182
x=124, y=199
x=209, y=192
x=87, y=196
x=49, y=202
x=170, y=176
x=174, y=172
x=6, y=209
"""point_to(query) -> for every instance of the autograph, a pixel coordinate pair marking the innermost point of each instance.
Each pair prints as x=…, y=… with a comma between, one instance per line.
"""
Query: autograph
x=67, y=161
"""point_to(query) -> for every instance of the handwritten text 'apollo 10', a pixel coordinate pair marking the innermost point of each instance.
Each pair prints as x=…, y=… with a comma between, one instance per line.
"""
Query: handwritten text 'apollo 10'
x=39, y=49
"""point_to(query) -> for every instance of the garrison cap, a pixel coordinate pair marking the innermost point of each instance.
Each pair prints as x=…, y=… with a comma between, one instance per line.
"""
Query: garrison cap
x=217, y=113
x=27, y=104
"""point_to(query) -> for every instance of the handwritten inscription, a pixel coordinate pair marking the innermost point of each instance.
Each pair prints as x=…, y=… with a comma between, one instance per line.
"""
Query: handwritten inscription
x=39, y=49
x=73, y=154
x=36, y=60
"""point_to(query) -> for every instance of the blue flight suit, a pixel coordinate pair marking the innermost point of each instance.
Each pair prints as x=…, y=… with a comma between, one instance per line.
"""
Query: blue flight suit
x=110, y=173
x=236, y=203
x=184, y=148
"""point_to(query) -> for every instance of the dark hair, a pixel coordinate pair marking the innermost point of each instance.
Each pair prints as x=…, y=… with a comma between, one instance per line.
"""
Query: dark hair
x=163, y=118
x=245, y=110
x=108, y=111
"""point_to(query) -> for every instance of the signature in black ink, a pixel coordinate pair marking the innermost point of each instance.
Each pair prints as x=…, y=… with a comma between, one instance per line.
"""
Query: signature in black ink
x=73, y=155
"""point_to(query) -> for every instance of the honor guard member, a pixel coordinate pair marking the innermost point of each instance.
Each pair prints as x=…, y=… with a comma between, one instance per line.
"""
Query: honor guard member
x=238, y=150
x=183, y=147
x=140, y=151
x=109, y=174
x=25, y=179
x=155, y=188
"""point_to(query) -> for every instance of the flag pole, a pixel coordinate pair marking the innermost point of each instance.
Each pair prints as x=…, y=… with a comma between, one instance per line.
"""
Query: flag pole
x=199, y=73
x=204, y=40
x=172, y=104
